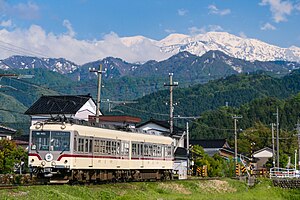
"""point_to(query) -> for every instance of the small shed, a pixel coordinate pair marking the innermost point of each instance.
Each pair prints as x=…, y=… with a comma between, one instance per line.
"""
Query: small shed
x=6, y=132
x=159, y=127
x=262, y=156
x=211, y=147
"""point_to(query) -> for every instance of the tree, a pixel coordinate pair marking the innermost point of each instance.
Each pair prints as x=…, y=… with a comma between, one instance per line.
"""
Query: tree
x=216, y=165
x=10, y=154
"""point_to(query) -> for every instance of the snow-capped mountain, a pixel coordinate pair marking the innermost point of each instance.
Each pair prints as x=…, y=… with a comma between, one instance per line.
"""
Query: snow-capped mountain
x=60, y=65
x=234, y=46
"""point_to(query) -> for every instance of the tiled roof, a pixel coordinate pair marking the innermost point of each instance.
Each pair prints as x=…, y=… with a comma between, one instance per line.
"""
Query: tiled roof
x=217, y=143
x=163, y=124
x=68, y=104
x=7, y=130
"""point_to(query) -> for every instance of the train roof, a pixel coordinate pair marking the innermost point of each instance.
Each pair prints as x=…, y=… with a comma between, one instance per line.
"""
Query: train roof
x=80, y=125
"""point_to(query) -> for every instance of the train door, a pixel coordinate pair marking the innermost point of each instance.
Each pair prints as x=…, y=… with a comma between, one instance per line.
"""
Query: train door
x=163, y=152
x=91, y=151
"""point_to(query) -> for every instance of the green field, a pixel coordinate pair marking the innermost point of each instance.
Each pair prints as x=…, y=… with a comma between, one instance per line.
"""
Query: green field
x=195, y=189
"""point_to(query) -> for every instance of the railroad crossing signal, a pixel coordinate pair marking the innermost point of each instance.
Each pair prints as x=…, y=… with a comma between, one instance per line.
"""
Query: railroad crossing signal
x=198, y=170
x=204, y=171
x=243, y=169
x=237, y=169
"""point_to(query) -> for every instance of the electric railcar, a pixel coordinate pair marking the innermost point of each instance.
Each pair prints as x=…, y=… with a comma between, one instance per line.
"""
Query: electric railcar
x=74, y=152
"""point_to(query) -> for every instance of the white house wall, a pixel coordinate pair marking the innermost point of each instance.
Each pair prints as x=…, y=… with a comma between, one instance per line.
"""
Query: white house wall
x=89, y=108
x=152, y=126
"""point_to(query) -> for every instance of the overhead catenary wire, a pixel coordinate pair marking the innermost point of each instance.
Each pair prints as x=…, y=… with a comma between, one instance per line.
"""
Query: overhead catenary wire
x=20, y=50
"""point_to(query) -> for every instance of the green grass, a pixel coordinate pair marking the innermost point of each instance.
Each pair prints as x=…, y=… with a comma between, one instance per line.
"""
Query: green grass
x=196, y=189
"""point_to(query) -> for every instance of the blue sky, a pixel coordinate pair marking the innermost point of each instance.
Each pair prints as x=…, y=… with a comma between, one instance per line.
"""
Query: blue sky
x=273, y=21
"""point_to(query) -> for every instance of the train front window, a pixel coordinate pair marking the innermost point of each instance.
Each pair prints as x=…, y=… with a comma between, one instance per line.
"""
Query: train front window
x=40, y=140
x=60, y=141
x=54, y=141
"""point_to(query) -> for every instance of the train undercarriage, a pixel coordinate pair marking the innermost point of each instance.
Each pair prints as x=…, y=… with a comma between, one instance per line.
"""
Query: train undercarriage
x=83, y=176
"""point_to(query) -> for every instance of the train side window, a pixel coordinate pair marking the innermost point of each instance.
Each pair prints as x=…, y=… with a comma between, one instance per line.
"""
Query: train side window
x=113, y=147
x=134, y=149
x=154, y=150
x=141, y=149
x=108, y=147
x=168, y=151
x=80, y=144
x=102, y=146
x=96, y=146
x=146, y=150
x=150, y=150
x=124, y=148
x=158, y=151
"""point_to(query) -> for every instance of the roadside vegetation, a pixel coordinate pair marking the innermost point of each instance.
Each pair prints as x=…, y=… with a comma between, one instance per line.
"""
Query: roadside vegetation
x=188, y=189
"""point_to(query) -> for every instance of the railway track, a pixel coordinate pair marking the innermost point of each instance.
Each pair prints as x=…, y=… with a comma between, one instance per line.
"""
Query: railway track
x=12, y=181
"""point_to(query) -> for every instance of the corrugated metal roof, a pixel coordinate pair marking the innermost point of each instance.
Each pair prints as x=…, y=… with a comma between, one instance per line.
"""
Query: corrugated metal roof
x=115, y=118
x=67, y=104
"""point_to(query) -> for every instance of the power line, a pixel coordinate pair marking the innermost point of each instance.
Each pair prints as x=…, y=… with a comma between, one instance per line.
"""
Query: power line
x=144, y=111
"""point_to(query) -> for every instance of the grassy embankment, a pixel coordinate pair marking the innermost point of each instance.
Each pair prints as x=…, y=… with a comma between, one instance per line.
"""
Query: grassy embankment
x=209, y=189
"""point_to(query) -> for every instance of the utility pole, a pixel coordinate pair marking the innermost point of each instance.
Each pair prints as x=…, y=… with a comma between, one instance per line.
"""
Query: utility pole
x=235, y=118
x=273, y=144
x=295, y=166
x=99, y=74
x=171, y=100
x=277, y=136
x=187, y=139
x=298, y=131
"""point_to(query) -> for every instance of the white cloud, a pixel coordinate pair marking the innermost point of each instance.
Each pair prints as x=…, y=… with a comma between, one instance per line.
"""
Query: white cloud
x=214, y=10
x=267, y=26
x=215, y=28
x=34, y=41
x=25, y=11
x=7, y=23
x=194, y=30
x=170, y=30
x=182, y=12
x=297, y=6
x=280, y=9
x=68, y=25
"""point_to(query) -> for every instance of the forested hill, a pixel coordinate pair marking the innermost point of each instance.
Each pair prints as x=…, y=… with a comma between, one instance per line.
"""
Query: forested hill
x=233, y=91
x=219, y=123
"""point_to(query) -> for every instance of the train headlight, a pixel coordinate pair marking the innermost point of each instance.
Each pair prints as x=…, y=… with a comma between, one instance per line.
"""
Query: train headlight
x=49, y=157
x=53, y=163
x=43, y=163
